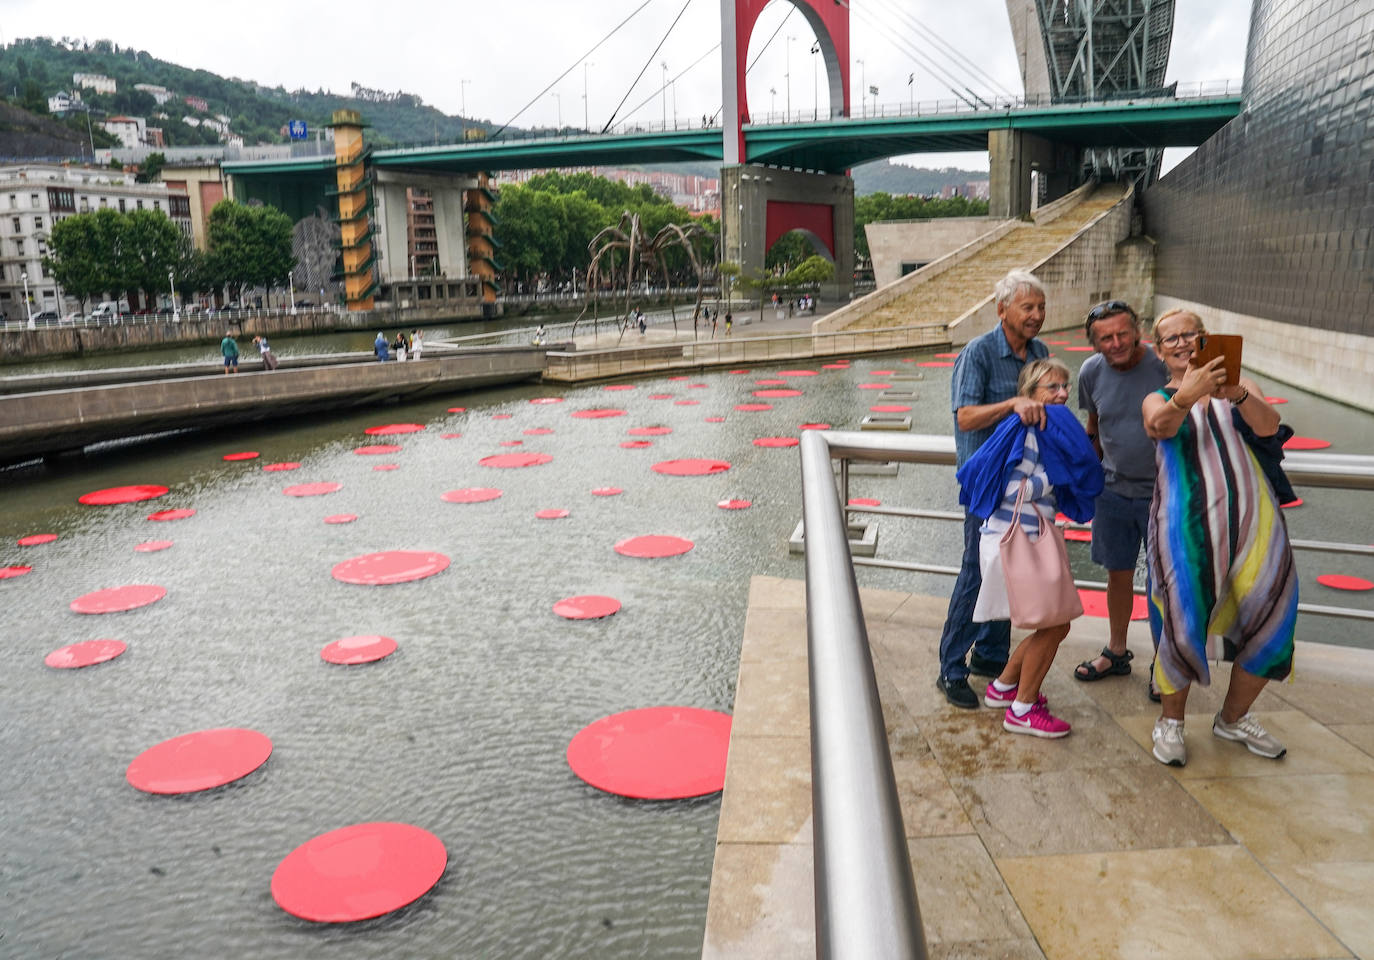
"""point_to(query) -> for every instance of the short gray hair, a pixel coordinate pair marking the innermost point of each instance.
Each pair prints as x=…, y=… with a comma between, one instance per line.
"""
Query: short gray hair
x=1013, y=283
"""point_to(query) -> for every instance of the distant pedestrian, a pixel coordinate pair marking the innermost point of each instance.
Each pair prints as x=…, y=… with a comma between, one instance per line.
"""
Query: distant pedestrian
x=715, y=318
x=729, y=322
x=643, y=325
x=380, y=349
x=269, y=359
x=539, y=335
x=399, y=345
x=417, y=344
x=230, y=351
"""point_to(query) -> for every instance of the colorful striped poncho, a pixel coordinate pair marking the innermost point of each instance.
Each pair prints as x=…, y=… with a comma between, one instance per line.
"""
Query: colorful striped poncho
x=1218, y=552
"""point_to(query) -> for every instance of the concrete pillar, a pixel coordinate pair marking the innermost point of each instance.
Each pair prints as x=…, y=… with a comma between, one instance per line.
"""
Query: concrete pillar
x=1012, y=155
x=392, y=216
x=390, y=198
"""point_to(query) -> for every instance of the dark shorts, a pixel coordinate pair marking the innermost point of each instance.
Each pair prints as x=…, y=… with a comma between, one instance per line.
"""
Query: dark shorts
x=1119, y=530
x=231, y=362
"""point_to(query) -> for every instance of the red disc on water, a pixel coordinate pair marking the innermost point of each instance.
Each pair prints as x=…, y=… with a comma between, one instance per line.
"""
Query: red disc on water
x=649, y=431
x=111, y=495
x=680, y=378
x=737, y=372
x=312, y=489
x=512, y=443
x=199, y=761
x=470, y=495
x=698, y=386
x=1305, y=443
x=449, y=436
x=516, y=460
x=770, y=394
x=691, y=467
x=457, y=410
x=815, y=426
x=618, y=386
x=502, y=416
x=658, y=753
x=586, y=608
x=378, y=449
x=597, y=413
x=606, y=491
x=1295, y=502
x=119, y=599
x=537, y=432
x=352, y=650
x=881, y=373
x=715, y=419
x=734, y=504
x=172, y=514
x=874, y=386
x=390, y=566
x=1081, y=536
x=685, y=403
x=653, y=546
x=950, y=356
x=1079, y=349
x=551, y=514
x=279, y=467
x=889, y=408
x=660, y=396
x=393, y=428
x=770, y=382
x=1095, y=604
x=9, y=573
x=776, y=441
x=834, y=366
x=936, y=363
x=547, y=400
x=1340, y=581
x=636, y=444
x=34, y=539
x=152, y=546
x=341, y=518
x=84, y=654
x=864, y=502
x=1275, y=400
x=796, y=373
x=384, y=467
x=753, y=407
x=358, y=872
x=242, y=455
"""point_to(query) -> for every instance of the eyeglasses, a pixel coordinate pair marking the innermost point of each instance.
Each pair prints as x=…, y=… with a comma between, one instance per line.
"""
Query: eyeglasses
x=1174, y=339
x=1109, y=307
x=1053, y=387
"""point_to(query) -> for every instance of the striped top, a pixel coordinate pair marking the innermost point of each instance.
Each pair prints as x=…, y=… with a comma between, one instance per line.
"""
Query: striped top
x=1038, y=492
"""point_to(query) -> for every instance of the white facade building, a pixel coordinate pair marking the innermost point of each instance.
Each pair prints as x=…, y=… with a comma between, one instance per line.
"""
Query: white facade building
x=158, y=93
x=131, y=131
x=95, y=81
x=64, y=102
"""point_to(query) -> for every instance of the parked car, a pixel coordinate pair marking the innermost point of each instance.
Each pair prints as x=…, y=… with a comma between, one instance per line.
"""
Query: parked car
x=73, y=317
x=47, y=316
x=107, y=311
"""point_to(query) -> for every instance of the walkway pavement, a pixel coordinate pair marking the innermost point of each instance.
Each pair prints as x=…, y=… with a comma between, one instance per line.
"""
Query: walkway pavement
x=1078, y=848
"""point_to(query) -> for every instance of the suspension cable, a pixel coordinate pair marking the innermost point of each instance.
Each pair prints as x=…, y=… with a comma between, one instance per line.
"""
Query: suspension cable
x=661, y=42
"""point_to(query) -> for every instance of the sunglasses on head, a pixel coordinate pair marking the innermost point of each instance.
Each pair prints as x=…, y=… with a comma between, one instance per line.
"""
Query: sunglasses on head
x=1109, y=307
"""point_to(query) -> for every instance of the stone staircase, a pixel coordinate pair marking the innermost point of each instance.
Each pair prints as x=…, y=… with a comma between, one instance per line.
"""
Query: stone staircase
x=946, y=296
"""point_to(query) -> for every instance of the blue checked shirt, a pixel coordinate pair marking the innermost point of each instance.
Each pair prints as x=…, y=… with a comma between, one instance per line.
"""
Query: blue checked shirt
x=986, y=372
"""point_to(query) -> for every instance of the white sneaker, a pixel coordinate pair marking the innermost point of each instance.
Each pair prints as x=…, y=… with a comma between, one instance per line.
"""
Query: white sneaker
x=1247, y=730
x=1169, y=748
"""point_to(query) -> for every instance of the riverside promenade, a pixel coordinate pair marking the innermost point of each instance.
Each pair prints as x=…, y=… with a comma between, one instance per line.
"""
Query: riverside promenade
x=1084, y=847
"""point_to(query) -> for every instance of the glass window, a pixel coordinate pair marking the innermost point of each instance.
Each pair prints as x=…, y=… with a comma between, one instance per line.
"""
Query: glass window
x=14, y=201
x=140, y=204
x=33, y=200
x=19, y=247
x=121, y=204
x=17, y=227
x=38, y=223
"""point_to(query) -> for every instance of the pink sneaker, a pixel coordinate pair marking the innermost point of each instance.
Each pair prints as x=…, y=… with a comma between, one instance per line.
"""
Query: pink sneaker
x=995, y=698
x=1039, y=722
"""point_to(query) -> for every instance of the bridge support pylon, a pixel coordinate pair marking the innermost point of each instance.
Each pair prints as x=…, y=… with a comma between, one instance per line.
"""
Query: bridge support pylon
x=1013, y=156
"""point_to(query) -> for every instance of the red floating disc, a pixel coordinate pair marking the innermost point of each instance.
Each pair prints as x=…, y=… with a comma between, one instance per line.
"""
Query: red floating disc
x=658, y=753
x=1079, y=349
x=1081, y=536
x=1305, y=443
x=606, y=491
x=449, y=436
x=341, y=518
x=84, y=654
x=874, y=386
x=834, y=366
x=685, y=403
x=881, y=373
x=547, y=400
x=279, y=467
x=9, y=573
x=715, y=419
x=770, y=394
x=312, y=489
x=353, y=650
x=679, y=378
x=551, y=514
x=586, y=608
x=936, y=363
x=660, y=396
x=378, y=449
x=653, y=546
x=1297, y=502
x=537, y=432
x=512, y=443
x=636, y=444
x=502, y=416
x=770, y=382
x=618, y=386
x=776, y=441
x=864, y=502
x=199, y=761
x=111, y=495
x=947, y=356
x=34, y=539
x=393, y=428
x=1340, y=581
x=242, y=455
x=1095, y=604
x=698, y=386
x=1275, y=400
x=649, y=431
x=815, y=426
x=470, y=495
x=119, y=599
x=358, y=872
x=390, y=566
x=597, y=413
x=889, y=408
x=734, y=504
x=152, y=546
x=753, y=407
x=509, y=460
x=796, y=373
x=457, y=410
x=171, y=514
x=737, y=372
x=383, y=467
x=691, y=468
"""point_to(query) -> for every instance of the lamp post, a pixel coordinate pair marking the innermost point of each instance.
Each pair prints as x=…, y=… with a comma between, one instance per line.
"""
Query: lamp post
x=171, y=282
x=664, y=92
x=874, y=90
x=772, y=102
x=27, y=305
x=911, y=91
x=290, y=285
x=815, y=93
x=559, y=97
x=863, y=85
x=586, y=124
x=463, y=106
x=787, y=75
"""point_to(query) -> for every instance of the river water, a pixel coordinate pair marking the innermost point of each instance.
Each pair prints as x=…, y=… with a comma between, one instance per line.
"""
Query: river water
x=463, y=730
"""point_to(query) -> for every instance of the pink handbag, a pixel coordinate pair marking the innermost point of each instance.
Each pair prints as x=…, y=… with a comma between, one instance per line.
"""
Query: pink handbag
x=1040, y=589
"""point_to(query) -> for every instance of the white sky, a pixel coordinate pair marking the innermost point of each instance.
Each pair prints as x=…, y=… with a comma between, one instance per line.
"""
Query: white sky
x=508, y=52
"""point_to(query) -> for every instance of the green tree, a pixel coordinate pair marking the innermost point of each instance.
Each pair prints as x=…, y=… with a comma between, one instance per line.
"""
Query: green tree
x=249, y=246
x=33, y=99
x=811, y=272
x=152, y=246
x=75, y=258
x=151, y=168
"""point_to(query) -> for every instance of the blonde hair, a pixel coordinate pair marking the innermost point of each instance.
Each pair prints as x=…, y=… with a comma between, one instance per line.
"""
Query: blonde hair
x=1033, y=371
x=1180, y=312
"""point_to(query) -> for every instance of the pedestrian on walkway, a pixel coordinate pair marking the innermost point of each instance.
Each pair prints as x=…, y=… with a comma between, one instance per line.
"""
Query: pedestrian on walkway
x=380, y=349
x=399, y=346
x=729, y=322
x=230, y=351
x=269, y=360
x=417, y=344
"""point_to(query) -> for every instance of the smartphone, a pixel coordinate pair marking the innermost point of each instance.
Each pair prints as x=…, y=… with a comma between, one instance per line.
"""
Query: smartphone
x=1227, y=345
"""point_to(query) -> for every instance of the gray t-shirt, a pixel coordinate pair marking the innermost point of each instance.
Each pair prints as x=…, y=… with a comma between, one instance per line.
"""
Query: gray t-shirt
x=1128, y=454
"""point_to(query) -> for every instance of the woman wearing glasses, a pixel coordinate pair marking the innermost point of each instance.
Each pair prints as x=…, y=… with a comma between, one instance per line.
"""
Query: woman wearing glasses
x=1061, y=472
x=1220, y=562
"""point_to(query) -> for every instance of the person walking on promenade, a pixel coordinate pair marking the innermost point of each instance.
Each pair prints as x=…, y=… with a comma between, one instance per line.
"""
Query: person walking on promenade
x=380, y=349
x=399, y=346
x=729, y=322
x=1111, y=386
x=229, y=350
x=983, y=392
x=1023, y=474
x=1218, y=552
x=417, y=344
x=269, y=359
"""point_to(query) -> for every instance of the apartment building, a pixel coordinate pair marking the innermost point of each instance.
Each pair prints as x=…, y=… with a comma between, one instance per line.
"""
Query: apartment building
x=95, y=81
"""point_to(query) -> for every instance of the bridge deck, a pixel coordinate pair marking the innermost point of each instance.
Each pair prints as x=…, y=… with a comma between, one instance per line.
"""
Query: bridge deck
x=1083, y=847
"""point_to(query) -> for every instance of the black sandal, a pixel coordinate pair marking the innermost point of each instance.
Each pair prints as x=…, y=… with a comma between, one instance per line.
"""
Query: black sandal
x=1120, y=666
x=1150, y=690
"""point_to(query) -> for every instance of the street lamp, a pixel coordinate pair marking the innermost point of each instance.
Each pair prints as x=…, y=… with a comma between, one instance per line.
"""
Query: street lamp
x=874, y=90
x=863, y=83
x=559, y=97
x=586, y=124
x=787, y=75
x=772, y=102
x=171, y=281
x=463, y=106
x=290, y=285
x=27, y=305
x=664, y=92
x=911, y=91
x=815, y=94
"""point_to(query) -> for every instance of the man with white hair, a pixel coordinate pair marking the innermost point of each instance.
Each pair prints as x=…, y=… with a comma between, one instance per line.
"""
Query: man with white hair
x=983, y=394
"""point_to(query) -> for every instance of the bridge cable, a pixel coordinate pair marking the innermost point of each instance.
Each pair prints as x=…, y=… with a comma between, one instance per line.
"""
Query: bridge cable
x=649, y=99
x=594, y=47
x=764, y=49
x=647, y=62
x=969, y=65
x=920, y=57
